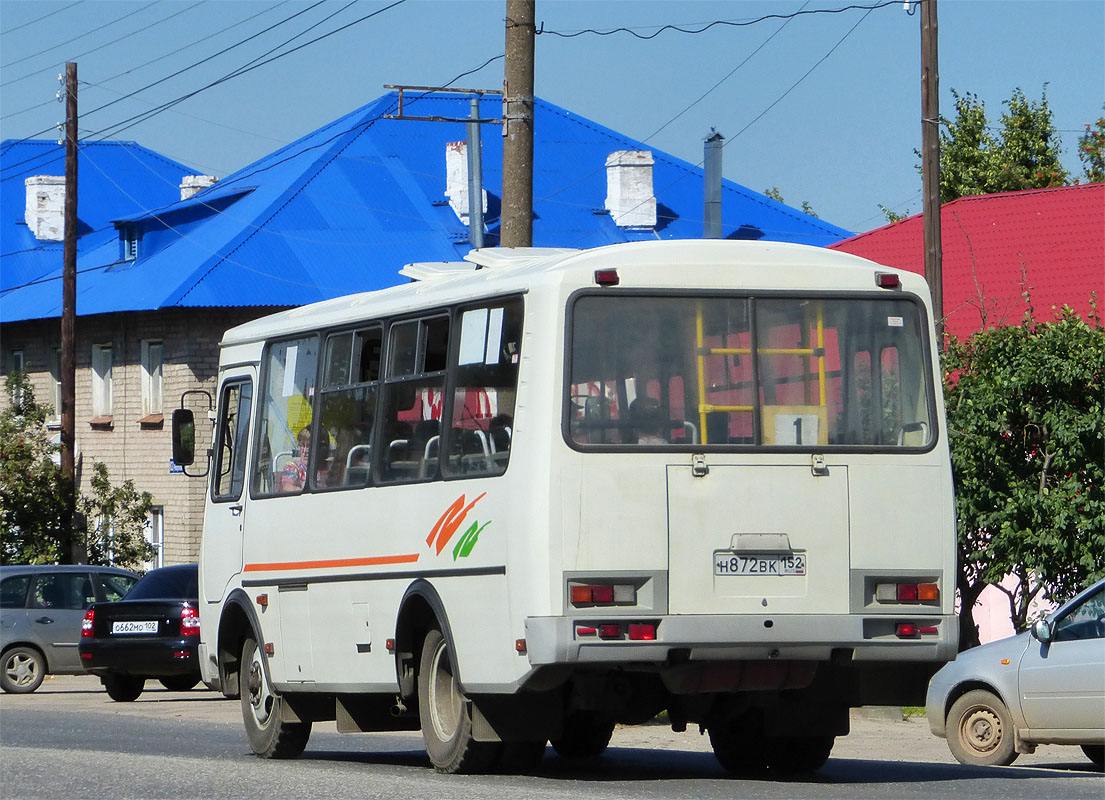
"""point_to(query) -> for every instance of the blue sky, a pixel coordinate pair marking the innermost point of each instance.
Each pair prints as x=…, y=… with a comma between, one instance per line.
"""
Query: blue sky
x=826, y=107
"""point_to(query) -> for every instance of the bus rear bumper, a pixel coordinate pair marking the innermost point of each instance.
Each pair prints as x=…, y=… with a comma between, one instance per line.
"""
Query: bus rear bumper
x=795, y=637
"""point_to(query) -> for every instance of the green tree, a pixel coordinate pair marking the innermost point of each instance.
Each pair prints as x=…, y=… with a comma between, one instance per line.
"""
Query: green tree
x=116, y=520
x=1091, y=151
x=777, y=196
x=1027, y=429
x=33, y=495
x=32, y=488
x=1026, y=153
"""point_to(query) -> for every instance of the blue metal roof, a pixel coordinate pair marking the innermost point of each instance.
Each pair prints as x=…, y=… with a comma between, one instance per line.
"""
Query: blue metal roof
x=343, y=208
x=114, y=179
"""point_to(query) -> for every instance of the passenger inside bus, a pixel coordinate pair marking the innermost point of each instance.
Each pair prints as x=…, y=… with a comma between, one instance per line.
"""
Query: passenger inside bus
x=647, y=421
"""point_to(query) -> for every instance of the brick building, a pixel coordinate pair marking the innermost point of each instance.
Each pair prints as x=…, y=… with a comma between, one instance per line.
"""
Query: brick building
x=162, y=272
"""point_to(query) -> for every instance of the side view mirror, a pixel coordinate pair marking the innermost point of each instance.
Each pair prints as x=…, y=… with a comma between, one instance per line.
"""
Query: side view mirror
x=1041, y=630
x=184, y=437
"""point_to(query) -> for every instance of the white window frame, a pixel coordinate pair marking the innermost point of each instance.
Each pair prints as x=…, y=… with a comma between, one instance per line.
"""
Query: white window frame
x=18, y=364
x=154, y=532
x=55, y=376
x=101, y=380
x=153, y=359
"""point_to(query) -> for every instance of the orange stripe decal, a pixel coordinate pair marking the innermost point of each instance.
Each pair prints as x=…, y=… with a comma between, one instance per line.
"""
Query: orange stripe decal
x=407, y=558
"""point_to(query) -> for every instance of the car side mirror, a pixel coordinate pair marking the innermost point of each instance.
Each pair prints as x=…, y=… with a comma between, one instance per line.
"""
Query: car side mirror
x=1041, y=630
x=184, y=437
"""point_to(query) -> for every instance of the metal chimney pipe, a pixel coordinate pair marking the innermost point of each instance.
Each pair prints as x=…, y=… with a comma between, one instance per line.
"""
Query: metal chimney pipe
x=711, y=217
x=475, y=177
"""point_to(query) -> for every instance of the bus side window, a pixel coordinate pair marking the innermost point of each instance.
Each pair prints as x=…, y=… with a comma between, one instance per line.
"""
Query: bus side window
x=412, y=396
x=351, y=369
x=484, y=389
x=233, y=433
x=287, y=392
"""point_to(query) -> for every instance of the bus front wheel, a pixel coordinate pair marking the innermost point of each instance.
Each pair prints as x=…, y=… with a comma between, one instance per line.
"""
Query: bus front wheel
x=446, y=714
x=269, y=735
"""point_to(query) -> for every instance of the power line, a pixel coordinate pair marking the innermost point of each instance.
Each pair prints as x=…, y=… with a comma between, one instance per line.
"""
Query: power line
x=38, y=19
x=107, y=24
x=139, y=118
x=143, y=29
x=715, y=23
x=101, y=84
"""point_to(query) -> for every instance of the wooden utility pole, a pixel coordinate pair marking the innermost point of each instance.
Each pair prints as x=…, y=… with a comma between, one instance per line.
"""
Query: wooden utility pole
x=930, y=162
x=68, y=319
x=517, y=214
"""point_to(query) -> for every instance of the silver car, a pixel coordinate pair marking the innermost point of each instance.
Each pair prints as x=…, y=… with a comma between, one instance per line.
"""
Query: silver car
x=41, y=611
x=1044, y=686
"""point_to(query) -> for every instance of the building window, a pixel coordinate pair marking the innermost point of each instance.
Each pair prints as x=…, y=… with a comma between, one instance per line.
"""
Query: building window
x=101, y=380
x=55, y=375
x=151, y=377
x=155, y=536
x=17, y=365
x=128, y=237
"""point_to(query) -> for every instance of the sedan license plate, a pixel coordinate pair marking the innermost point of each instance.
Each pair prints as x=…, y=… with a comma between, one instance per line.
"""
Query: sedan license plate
x=137, y=626
x=726, y=562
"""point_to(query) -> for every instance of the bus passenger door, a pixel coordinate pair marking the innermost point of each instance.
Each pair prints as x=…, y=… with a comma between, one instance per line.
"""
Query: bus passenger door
x=221, y=551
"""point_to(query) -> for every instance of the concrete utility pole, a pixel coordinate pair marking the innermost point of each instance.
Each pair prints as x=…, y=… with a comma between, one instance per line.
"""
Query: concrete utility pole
x=930, y=162
x=517, y=214
x=69, y=318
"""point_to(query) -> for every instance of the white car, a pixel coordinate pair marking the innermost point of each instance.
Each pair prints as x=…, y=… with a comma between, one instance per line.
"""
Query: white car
x=1044, y=686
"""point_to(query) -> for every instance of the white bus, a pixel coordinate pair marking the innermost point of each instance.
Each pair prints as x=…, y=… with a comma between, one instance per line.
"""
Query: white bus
x=529, y=496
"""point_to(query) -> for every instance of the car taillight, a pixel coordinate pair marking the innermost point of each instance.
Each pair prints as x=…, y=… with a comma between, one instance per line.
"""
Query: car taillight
x=189, y=621
x=86, y=623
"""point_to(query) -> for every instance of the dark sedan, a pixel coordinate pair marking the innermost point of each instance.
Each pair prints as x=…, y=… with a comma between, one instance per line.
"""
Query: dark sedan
x=153, y=633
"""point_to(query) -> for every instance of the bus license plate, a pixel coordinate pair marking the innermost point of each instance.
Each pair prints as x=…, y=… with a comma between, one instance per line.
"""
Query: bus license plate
x=727, y=562
x=142, y=626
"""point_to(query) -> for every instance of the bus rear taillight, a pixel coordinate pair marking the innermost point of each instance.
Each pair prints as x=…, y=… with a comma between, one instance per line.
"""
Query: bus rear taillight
x=602, y=594
x=907, y=592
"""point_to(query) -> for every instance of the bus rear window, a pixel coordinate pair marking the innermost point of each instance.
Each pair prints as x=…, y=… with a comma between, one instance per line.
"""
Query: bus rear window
x=774, y=372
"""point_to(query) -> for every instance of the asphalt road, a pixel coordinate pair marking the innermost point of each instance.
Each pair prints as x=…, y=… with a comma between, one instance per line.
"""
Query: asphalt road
x=70, y=740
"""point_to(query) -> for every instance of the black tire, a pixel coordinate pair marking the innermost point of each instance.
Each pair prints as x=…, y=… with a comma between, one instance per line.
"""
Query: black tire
x=22, y=671
x=980, y=730
x=446, y=714
x=123, y=688
x=269, y=735
x=586, y=734
x=792, y=755
x=1095, y=753
x=740, y=749
x=520, y=758
x=180, y=683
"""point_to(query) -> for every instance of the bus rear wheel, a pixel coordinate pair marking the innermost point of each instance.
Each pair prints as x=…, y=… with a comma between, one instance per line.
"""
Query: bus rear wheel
x=791, y=755
x=446, y=714
x=586, y=735
x=269, y=735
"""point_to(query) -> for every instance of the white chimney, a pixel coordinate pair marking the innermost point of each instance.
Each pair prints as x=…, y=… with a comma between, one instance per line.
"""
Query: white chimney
x=45, y=211
x=456, y=179
x=191, y=184
x=629, y=197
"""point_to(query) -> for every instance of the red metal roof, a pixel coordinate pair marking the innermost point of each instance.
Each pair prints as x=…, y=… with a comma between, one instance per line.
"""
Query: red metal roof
x=1050, y=240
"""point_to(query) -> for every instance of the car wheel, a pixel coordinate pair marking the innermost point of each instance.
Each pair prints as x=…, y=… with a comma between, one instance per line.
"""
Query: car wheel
x=798, y=754
x=179, y=683
x=123, y=688
x=586, y=734
x=270, y=736
x=446, y=716
x=980, y=730
x=1095, y=753
x=23, y=670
